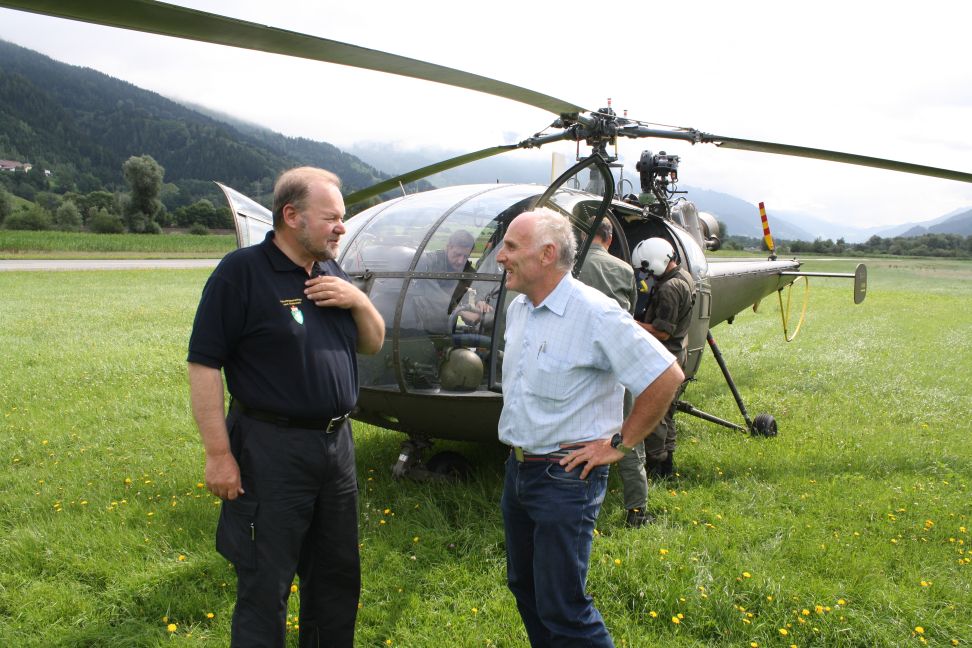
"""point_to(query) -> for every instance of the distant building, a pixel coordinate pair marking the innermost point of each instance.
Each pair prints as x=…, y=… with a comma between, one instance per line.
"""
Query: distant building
x=13, y=165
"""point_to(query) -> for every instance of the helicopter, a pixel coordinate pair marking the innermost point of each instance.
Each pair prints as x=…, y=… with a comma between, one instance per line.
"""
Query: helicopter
x=439, y=374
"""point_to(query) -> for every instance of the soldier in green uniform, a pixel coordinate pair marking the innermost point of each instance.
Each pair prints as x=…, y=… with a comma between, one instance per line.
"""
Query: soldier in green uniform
x=666, y=315
x=615, y=278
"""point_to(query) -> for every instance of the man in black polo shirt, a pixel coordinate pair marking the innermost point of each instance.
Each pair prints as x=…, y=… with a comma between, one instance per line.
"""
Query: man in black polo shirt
x=283, y=322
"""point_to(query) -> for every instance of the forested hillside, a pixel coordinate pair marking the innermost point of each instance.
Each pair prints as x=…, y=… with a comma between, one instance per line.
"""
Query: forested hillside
x=83, y=125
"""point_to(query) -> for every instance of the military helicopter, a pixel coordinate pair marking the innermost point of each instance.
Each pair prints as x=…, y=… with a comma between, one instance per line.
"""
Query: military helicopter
x=439, y=375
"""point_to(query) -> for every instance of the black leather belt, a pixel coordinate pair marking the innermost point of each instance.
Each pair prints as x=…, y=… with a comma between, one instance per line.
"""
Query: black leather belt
x=326, y=425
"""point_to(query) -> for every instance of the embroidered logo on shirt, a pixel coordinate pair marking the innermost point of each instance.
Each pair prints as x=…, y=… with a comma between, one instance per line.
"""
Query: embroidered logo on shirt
x=294, y=311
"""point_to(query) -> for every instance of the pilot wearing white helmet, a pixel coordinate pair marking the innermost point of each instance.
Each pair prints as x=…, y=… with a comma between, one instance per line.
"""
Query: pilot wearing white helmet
x=666, y=314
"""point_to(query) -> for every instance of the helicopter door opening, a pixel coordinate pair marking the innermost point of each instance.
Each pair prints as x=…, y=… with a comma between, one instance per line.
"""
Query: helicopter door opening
x=582, y=194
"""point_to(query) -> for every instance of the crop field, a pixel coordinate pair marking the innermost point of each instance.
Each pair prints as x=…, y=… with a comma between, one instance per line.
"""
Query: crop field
x=851, y=528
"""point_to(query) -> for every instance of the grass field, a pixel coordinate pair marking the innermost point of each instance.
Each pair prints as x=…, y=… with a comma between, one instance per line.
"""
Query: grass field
x=849, y=529
x=83, y=245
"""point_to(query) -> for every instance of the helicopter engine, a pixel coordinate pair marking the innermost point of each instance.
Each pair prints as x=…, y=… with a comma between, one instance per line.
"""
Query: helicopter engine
x=658, y=171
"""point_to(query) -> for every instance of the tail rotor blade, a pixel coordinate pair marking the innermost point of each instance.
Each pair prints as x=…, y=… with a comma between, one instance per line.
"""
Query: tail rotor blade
x=766, y=230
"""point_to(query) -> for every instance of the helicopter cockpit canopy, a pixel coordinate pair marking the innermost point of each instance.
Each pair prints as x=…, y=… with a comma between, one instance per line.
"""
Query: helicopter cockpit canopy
x=428, y=263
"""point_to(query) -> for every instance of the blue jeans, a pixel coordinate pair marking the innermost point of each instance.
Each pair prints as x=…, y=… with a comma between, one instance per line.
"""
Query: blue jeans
x=549, y=517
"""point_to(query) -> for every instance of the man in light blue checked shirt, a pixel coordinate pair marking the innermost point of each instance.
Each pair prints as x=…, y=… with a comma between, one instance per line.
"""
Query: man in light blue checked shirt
x=568, y=351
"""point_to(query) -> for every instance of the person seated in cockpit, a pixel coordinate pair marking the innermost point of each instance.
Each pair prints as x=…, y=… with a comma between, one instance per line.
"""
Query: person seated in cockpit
x=454, y=258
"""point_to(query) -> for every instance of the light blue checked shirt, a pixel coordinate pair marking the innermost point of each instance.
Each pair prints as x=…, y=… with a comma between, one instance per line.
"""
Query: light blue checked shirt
x=564, y=364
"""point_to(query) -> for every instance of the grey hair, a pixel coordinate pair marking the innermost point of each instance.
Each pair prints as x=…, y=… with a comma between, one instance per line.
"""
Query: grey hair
x=553, y=228
x=604, y=229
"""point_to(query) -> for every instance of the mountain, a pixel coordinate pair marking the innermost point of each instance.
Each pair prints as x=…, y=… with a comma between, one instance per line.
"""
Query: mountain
x=958, y=224
x=83, y=125
x=742, y=218
x=515, y=166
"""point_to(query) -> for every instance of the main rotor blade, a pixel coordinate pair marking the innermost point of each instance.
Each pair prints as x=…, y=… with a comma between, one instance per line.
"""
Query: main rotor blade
x=171, y=20
x=835, y=156
x=418, y=174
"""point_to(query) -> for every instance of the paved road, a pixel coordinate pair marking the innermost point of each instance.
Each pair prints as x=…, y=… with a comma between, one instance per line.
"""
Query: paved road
x=63, y=265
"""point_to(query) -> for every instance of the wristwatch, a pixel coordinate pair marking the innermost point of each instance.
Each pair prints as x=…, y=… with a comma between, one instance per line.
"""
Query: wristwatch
x=617, y=445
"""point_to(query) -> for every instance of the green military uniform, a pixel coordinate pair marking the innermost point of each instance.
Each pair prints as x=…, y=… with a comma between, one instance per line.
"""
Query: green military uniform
x=669, y=309
x=615, y=278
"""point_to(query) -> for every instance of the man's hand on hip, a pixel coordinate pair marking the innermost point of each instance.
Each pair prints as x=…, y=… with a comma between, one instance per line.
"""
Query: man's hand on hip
x=591, y=454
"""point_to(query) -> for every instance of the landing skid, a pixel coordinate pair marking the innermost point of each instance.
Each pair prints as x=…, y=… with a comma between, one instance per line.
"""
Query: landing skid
x=762, y=425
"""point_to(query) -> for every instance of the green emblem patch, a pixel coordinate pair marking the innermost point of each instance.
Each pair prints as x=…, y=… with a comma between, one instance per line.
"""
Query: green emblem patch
x=298, y=316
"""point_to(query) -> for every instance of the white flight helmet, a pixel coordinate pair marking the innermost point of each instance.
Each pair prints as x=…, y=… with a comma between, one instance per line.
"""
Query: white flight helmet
x=652, y=256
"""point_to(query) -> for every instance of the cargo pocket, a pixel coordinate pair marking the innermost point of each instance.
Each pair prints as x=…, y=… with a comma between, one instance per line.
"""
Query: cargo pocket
x=236, y=532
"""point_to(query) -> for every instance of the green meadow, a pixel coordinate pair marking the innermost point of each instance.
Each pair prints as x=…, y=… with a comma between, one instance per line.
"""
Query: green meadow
x=851, y=528
x=16, y=244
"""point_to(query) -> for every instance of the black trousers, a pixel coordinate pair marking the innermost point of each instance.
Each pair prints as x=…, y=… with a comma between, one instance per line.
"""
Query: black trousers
x=299, y=515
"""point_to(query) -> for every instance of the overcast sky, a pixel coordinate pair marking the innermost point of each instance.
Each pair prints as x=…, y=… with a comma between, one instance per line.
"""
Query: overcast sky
x=887, y=79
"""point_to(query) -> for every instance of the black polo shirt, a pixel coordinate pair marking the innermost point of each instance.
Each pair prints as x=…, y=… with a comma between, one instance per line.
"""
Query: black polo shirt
x=280, y=352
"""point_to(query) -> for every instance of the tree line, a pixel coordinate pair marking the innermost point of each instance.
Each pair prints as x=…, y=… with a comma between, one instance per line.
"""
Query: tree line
x=930, y=244
x=142, y=209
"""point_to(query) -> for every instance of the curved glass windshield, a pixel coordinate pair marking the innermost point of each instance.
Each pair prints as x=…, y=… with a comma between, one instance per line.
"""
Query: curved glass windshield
x=428, y=264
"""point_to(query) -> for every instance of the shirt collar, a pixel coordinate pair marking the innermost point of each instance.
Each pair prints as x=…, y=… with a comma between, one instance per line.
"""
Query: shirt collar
x=278, y=260
x=556, y=301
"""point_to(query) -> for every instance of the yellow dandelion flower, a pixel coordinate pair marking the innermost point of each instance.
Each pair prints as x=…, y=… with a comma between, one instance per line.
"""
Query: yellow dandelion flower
x=475, y=611
x=387, y=642
x=676, y=620
x=663, y=552
x=293, y=588
x=818, y=609
x=925, y=583
x=415, y=539
x=172, y=627
x=954, y=642
x=653, y=614
x=747, y=575
x=182, y=557
x=210, y=615
x=841, y=602
x=753, y=644
x=919, y=630
x=617, y=561
x=784, y=632
x=805, y=612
